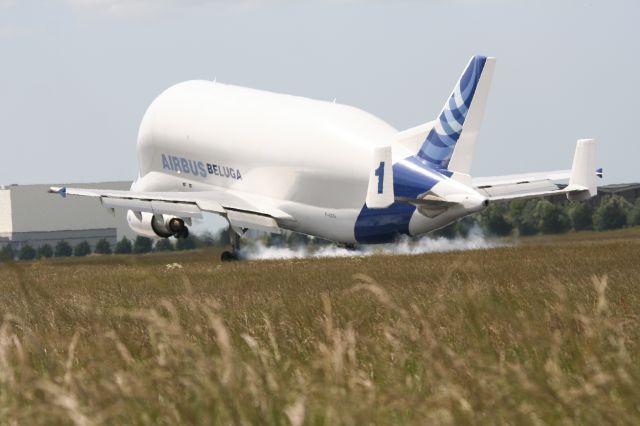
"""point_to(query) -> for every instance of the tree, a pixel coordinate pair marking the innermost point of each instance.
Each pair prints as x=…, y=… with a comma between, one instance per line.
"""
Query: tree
x=164, y=244
x=63, y=249
x=295, y=240
x=464, y=225
x=634, y=214
x=197, y=242
x=27, y=252
x=581, y=215
x=523, y=215
x=142, y=245
x=45, y=251
x=222, y=238
x=448, y=231
x=7, y=253
x=82, y=249
x=494, y=220
x=274, y=240
x=611, y=213
x=123, y=246
x=553, y=218
x=103, y=247
x=185, y=243
x=207, y=239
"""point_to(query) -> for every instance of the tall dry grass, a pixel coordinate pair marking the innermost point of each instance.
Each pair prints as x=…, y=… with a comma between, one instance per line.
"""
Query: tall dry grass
x=525, y=335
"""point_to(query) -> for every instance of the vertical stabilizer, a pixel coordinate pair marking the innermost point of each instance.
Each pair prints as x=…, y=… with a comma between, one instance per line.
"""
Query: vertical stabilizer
x=583, y=171
x=450, y=144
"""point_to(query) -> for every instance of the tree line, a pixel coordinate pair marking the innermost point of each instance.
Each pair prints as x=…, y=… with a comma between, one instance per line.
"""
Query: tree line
x=139, y=245
x=519, y=217
x=531, y=217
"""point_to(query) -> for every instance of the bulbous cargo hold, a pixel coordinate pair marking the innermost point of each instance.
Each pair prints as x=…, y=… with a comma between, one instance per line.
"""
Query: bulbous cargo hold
x=276, y=145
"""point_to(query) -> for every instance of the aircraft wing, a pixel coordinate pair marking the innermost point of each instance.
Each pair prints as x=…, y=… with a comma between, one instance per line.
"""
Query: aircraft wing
x=240, y=209
x=582, y=180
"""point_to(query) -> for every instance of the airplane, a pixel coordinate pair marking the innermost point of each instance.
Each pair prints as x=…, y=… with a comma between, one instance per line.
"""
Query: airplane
x=272, y=162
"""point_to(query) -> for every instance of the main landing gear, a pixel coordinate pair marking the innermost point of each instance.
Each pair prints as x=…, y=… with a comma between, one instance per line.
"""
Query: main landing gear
x=347, y=246
x=232, y=253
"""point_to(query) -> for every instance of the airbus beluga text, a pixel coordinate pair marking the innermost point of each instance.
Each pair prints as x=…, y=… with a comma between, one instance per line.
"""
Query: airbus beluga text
x=270, y=162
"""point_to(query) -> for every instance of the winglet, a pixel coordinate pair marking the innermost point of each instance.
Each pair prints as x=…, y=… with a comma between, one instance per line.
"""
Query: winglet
x=582, y=181
x=62, y=191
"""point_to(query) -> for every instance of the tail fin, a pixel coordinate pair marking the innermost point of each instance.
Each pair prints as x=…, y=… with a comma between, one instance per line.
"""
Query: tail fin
x=449, y=145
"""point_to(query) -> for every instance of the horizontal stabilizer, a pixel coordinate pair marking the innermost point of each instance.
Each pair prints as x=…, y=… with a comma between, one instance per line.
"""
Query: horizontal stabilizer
x=520, y=179
x=582, y=180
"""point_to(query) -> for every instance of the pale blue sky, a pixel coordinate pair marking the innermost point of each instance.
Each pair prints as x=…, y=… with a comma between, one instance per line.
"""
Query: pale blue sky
x=77, y=75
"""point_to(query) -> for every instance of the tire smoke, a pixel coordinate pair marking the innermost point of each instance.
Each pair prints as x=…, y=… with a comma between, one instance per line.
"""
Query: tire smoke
x=475, y=240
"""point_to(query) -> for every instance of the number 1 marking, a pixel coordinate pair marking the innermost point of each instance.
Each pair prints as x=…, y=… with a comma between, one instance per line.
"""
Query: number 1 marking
x=380, y=173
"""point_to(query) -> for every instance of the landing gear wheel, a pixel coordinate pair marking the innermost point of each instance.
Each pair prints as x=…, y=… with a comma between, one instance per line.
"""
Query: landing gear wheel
x=350, y=247
x=231, y=251
x=228, y=256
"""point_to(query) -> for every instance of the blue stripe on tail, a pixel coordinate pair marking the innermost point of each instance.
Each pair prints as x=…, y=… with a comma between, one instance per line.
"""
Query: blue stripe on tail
x=441, y=140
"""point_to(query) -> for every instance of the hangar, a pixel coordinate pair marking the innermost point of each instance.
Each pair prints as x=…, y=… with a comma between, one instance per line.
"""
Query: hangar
x=30, y=215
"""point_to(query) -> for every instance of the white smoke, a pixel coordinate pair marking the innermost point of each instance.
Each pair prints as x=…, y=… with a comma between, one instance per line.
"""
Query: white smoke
x=474, y=241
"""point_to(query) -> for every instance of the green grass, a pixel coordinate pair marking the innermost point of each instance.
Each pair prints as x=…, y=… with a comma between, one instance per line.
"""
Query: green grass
x=543, y=332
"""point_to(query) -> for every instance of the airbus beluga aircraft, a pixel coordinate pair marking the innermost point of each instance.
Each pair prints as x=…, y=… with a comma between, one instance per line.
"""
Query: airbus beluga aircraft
x=273, y=162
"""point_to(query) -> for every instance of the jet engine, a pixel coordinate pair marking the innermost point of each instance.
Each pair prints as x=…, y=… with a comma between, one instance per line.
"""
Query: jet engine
x=154, y=226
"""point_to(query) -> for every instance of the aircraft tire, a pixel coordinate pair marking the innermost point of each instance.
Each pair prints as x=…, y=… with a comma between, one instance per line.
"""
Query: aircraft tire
x=228, y=256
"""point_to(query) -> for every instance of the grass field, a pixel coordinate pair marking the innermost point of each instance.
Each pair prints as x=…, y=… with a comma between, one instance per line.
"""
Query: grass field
x=546, y=331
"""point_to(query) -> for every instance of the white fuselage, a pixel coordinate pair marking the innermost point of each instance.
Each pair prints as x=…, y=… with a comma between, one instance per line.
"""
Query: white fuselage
x=309, y=158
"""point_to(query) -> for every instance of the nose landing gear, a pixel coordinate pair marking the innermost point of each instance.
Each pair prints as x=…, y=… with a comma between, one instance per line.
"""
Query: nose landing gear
x=228, y=256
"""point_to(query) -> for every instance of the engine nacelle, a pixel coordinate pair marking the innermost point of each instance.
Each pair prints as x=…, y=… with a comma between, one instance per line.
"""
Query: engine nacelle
x=154, y=226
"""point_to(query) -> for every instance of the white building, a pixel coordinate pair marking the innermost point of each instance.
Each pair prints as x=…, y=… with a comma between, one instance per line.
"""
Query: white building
x=30, y=215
